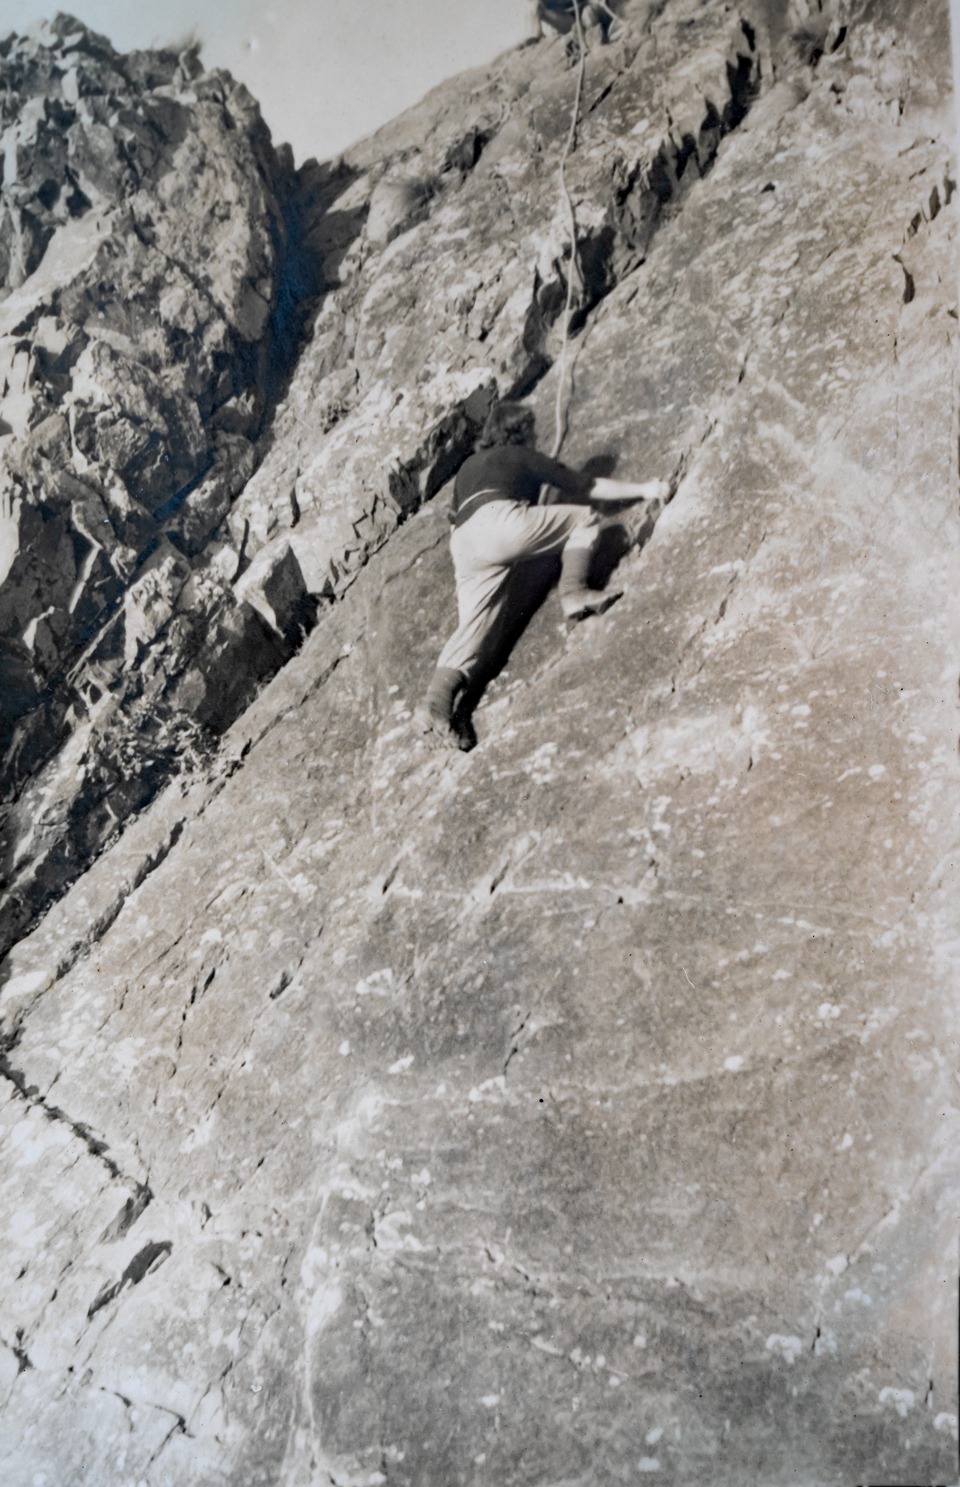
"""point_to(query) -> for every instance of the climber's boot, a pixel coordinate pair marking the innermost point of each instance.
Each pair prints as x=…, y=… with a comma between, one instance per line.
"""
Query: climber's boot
x=434, y=716
x=577, y=599
x=591, y=18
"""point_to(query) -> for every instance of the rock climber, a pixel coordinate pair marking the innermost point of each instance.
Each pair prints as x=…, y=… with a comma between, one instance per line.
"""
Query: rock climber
x=498, y=521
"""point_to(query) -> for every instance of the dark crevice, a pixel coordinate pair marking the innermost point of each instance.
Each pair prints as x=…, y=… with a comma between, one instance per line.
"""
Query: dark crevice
x=19, y=1352
x=603, y=94
x=462, y=157
x=95, y=1145
x=135, y=1206
x=178, y=499
x=151, y=1257
x=909, y=284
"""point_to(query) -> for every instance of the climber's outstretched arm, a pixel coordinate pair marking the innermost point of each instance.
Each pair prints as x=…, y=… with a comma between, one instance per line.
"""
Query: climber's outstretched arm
x=629, y=490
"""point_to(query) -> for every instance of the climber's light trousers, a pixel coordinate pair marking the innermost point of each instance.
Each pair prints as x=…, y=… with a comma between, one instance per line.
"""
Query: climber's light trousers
x=485, y=548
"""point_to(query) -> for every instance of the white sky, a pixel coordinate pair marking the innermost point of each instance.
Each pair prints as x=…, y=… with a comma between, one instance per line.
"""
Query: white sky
x=325, y=73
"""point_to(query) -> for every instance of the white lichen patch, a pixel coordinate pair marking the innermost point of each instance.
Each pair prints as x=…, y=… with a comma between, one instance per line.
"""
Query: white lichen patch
x=902, y=1400
x=27, y=984
x=389, y=1232
x=378, y=983
x=541, y=764
x=490, y=1092
x=788, y=1348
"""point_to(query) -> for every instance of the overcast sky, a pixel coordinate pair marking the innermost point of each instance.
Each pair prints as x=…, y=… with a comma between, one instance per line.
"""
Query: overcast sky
x=325, y=74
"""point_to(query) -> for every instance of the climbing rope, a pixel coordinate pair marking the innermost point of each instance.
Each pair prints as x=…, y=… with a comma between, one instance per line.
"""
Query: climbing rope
x=562, y=407
x=560, y=412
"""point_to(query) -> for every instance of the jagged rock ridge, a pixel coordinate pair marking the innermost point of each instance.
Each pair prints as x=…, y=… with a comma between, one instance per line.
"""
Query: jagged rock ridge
x=148, y=251
x=580, y=1109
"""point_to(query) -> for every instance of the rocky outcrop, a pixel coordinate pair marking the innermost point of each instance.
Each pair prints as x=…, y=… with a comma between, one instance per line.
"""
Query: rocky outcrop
x=581, y=1109
x=148, y=254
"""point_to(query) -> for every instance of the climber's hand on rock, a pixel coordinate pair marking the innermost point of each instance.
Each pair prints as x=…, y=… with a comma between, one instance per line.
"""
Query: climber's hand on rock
x=629, y=490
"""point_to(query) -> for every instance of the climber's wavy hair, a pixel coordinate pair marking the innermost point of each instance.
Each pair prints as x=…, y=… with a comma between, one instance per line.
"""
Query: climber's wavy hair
x=508, y=423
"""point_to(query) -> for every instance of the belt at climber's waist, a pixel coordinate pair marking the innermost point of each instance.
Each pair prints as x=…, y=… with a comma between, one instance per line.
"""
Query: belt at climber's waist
x=465, y=508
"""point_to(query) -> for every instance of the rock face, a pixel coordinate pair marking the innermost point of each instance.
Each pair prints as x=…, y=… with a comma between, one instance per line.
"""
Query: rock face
x=582, y=1108
x=147, y=247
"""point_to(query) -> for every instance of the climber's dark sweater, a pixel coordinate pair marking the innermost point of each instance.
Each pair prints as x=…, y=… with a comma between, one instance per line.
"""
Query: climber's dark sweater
x=511, y=473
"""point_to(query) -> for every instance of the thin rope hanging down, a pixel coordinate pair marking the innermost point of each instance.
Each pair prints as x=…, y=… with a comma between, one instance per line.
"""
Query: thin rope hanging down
x=560, y=412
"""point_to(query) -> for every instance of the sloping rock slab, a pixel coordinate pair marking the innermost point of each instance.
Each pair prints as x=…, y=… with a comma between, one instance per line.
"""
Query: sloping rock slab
x=581, y=1109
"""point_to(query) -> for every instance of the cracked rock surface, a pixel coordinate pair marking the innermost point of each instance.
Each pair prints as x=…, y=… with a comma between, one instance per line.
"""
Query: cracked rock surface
x=148, y=242
x=581, y=1109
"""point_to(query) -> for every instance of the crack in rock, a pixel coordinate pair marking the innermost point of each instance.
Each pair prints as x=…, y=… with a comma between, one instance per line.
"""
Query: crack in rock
x=150, y=1258
x=96, y=1146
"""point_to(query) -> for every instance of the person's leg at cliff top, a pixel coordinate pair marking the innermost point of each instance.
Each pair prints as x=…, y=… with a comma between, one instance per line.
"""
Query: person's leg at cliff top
x=498, y=523
x=561, y=16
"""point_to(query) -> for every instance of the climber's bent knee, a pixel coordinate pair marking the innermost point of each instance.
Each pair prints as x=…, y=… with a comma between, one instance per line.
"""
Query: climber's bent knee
x=584, y=534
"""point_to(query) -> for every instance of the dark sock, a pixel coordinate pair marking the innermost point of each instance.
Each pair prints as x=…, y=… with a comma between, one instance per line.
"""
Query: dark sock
x=441, y=693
